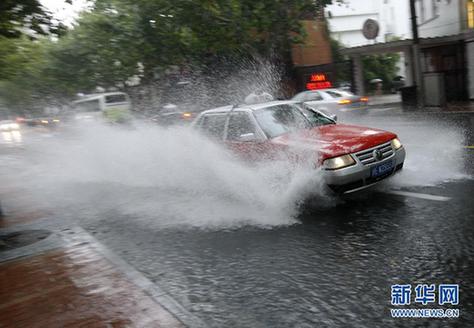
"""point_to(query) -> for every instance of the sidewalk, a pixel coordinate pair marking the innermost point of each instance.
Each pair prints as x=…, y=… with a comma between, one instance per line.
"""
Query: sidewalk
x=466, y=107
x=385, y=99
x=65, y=280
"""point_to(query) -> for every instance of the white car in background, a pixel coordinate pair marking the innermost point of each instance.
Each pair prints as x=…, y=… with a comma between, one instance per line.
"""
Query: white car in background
x=333, y=101
x=9, y=125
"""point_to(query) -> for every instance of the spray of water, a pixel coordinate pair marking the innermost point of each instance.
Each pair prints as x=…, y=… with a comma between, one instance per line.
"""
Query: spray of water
x=163, y=177
x=434, y=149
x=176, y=177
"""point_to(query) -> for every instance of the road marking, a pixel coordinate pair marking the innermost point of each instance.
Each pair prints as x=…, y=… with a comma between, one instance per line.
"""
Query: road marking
x=469, y=147
x=419, y=195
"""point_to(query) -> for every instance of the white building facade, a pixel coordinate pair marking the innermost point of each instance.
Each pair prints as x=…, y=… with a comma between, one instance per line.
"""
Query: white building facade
x=345, y=20
x=445, y=29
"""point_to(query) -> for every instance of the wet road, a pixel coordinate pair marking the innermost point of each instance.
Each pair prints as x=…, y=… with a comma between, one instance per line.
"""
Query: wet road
x=332, y=266
x=332, y=269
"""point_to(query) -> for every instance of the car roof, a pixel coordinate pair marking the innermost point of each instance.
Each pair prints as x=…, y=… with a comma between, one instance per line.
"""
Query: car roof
x=249, y=108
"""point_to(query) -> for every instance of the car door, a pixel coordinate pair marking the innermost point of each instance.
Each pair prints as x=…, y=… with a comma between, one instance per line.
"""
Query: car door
x=243, y=138
x=213, y=125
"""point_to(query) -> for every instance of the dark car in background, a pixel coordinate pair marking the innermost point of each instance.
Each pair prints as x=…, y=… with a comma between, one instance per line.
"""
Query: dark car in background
x=172, y=114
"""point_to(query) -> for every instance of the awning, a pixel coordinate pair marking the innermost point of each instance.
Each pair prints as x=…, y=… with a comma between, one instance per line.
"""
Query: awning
x=402, y=45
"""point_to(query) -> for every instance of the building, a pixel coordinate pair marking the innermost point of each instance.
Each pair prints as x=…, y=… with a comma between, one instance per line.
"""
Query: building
x=441, y=61
x=313, y=57
x=345, y=20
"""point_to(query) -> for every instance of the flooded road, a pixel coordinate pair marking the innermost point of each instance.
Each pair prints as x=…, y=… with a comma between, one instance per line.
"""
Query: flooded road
x=237, y=253
x=336, y=266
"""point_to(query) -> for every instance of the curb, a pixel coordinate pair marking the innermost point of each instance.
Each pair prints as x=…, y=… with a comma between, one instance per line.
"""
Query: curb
x=61, y=236
x=137, y=278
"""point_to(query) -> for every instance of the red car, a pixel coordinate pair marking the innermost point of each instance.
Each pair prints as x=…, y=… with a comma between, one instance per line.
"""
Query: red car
x=352, y=157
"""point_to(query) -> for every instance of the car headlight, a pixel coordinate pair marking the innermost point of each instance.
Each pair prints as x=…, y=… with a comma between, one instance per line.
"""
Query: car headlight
x=338, y=162
x=396, y=144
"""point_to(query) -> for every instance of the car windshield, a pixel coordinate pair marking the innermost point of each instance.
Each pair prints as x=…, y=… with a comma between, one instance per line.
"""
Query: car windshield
x=339, y=93
x=278, y=120
x=316, y=118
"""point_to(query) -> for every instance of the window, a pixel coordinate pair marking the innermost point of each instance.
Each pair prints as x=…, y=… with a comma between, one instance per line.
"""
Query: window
x=435, y=7
x=239, y=124
x=314, y=117
x=88, y=106
x=313, y=96
x=470, y=14
x=334, y=94
x=213, y=125
x=278, y=120
x=115, y=98
x=300, y=96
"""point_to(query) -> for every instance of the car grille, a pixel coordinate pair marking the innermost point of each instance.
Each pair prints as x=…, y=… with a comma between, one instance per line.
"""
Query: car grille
x=366, y=157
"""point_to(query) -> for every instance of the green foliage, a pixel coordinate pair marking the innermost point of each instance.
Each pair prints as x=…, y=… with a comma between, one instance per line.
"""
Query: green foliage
x=21, y=64
x=382, y=66
x=18, y=16
x=119, y=39
x=103, y=50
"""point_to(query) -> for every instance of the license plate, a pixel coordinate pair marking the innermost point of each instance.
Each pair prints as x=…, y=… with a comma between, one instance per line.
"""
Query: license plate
x=381, y=169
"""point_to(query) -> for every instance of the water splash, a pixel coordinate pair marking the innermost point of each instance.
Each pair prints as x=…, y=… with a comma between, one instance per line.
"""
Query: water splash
x=164, y=177
x=434, y=149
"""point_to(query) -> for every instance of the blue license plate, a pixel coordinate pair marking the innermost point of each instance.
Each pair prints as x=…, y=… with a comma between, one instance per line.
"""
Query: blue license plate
x=381, y=169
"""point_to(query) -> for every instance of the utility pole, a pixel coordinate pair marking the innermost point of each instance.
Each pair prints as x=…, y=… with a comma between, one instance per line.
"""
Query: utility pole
x=420, y=90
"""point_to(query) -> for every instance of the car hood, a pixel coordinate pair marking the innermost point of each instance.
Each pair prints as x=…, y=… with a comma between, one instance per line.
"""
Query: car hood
x=336, y=139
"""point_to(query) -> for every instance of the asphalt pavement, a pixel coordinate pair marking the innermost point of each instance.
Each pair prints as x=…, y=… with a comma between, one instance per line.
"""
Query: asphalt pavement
x=331, y=265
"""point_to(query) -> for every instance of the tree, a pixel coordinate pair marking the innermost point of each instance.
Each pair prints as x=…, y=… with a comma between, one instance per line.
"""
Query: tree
x=382, y=66
x=18, y=17
x=119, y=39
x=21, y=66
x=104, y=49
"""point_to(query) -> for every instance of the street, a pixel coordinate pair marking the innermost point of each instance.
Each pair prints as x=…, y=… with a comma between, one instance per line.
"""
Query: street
x=236, y=253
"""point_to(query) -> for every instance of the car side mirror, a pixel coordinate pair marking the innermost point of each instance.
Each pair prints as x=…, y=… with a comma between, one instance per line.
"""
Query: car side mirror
x=333, y=117
x=247, y=137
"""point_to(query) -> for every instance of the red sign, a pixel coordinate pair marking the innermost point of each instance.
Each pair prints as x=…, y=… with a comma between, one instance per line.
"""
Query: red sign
x=318, y=81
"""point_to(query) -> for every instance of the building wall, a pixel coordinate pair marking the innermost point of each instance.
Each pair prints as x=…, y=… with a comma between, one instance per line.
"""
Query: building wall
x=439, y=18
x=468, y=18
x=470, y=67
x=316, y=49
x=346, y=20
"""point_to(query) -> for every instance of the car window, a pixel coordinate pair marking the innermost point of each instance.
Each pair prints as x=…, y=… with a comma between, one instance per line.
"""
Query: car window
x=213, y=125
x=281, y=119
x=313, y=96
x=334, y=94
x=346, y=93
x=115, y=98
x=88, y=106
x=239, y=124
x=300, y=96
x=314, y=117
